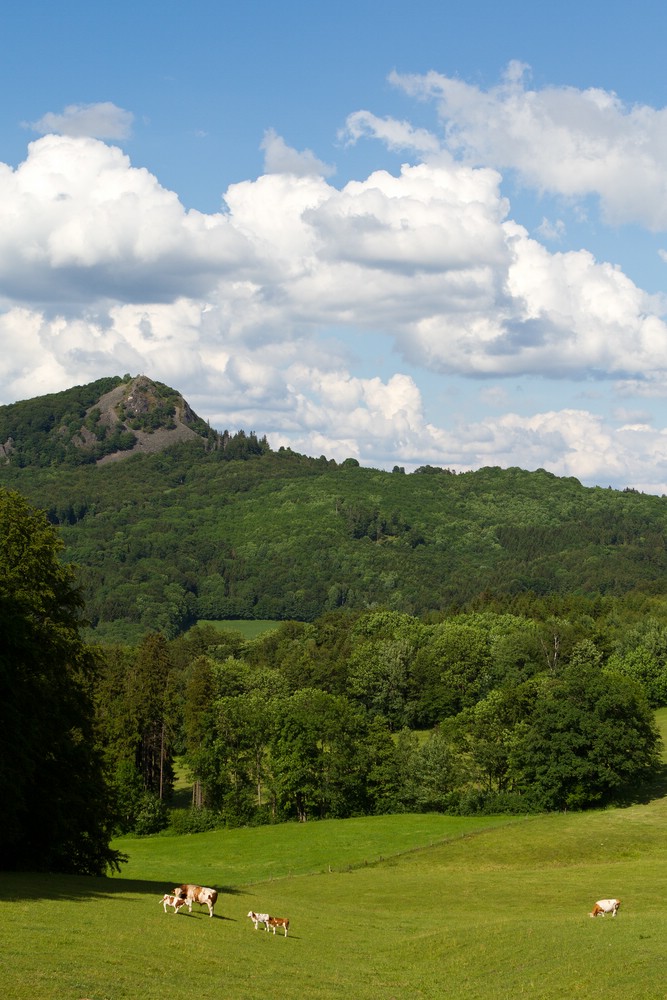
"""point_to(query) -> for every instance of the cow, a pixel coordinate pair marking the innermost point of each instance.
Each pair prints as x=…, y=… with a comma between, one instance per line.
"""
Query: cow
x=605, y=906
x=197, y=894
x=259, y=918
x=175, y=901
x=278, y=922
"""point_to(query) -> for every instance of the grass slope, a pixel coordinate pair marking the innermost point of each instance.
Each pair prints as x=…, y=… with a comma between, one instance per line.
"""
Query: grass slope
x=266, y=853
x=500, y=913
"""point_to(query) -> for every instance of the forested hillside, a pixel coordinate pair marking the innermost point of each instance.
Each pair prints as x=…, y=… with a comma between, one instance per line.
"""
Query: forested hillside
x=220, y=526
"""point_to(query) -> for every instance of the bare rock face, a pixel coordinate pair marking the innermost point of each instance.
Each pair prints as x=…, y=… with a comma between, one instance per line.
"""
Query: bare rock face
x=6, y=448
x=156, y=415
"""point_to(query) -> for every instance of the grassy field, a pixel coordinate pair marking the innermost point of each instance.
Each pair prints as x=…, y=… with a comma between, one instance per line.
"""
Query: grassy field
x=249, y=629
x=380, y=909
x=494, y=910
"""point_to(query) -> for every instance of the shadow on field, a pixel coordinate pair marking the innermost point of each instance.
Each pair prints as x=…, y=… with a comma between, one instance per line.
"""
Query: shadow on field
x=31, y=886
x=653, y=788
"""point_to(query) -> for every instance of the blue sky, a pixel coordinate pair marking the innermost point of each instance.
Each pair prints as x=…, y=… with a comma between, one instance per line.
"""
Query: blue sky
x=424, y=234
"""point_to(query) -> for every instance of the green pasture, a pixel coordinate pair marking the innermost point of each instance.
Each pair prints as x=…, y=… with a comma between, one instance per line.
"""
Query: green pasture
x=268, y=853
x=493, y=909
x=249, y=629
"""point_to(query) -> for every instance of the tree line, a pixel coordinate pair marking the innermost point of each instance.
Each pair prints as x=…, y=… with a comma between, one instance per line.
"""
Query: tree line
x=364, y=713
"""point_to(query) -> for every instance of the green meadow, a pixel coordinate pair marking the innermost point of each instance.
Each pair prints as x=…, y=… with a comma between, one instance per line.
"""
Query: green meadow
x=249, y=629
x=412, y=907
x=391, y=907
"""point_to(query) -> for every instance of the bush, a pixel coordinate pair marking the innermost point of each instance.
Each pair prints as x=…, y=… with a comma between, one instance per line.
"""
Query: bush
x=194, y=821
x=478, y=802
x=151, y=816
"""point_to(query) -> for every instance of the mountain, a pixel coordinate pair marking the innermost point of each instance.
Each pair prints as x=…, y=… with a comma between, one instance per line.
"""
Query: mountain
x=193, y=524
x=104, y=421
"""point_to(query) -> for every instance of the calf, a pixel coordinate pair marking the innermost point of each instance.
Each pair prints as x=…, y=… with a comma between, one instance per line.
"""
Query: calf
x=278, y=922
x=605, y=906
x=175, y=901
x=259, y=918
x=197, y=894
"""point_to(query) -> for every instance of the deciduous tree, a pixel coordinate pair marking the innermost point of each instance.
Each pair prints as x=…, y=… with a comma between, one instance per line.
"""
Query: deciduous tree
x=56, y=805
x=590, y=733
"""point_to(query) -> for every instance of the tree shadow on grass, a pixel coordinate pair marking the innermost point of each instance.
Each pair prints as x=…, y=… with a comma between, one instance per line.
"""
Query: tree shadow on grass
x=652, y=788
x=33, y=886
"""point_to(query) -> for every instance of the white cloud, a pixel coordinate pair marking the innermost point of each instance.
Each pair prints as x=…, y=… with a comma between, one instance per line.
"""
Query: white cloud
x=97, y=121
x=559, y=139
x=78, y=224
x=279, y=158
x=552, y=232
x=396, y=135
x=428, y=258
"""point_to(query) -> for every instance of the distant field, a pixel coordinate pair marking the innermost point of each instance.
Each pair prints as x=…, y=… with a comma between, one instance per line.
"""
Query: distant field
x=248, y=629
x=242, y=857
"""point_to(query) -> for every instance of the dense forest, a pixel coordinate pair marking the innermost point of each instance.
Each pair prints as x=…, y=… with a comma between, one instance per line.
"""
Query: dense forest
x=377, y=711
x=220, y=526
x=487, y=641
x=359, y=712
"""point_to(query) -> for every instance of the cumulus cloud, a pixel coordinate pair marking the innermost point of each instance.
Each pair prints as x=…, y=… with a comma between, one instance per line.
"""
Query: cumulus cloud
x=279, y=158
x=79, y=223
x=103, y=271
x=428, y=257
x=559, y=139
x=98, y=121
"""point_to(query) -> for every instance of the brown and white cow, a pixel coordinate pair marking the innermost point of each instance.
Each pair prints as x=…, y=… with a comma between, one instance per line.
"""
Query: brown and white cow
x=278, y=922
x=175, y=901
x=197, y=894
x=605, y=906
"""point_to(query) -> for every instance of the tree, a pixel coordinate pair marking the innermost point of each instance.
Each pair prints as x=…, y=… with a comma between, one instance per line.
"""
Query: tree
x=198, y=722
x=320, y=756
x=642, y=654
x=589, y=734
x=116, y=725
x=384, y=644
x=642, y=664
x=451, y=671
x=439, y=772
x=234, y=775
x=378, y=677
x=152, y=700
x=57, y=811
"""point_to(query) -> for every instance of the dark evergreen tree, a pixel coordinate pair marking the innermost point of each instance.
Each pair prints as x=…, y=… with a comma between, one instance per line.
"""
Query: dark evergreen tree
x=152, y=700
x=198, y=717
